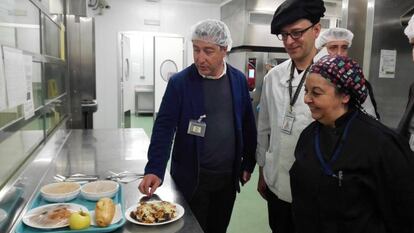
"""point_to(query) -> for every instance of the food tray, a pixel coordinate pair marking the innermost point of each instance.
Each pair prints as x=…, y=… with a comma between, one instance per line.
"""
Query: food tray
x=39, y=201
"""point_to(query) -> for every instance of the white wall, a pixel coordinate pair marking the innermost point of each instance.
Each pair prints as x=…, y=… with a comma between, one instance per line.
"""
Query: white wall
x=128, y=15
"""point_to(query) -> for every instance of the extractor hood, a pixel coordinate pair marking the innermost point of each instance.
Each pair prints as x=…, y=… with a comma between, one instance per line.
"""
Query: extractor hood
x=249, y=23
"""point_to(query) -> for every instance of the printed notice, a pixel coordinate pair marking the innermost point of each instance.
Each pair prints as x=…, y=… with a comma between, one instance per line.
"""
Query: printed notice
x=3, y=103
x=28, y=105
x=388, y=60
x=15, y=76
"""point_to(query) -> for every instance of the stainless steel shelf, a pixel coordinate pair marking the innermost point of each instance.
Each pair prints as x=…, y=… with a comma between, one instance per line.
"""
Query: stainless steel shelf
x=97, y=152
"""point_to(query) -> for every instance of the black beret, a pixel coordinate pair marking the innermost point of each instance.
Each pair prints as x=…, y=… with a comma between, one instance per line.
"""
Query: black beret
x=291, y=11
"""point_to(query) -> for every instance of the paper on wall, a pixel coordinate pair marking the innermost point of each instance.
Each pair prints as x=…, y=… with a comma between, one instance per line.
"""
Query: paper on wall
x=14, y=72
x=28, y=105
x=388, y=60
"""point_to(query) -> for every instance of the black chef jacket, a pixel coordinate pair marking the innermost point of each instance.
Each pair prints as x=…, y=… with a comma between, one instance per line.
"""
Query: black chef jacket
x=376, y=191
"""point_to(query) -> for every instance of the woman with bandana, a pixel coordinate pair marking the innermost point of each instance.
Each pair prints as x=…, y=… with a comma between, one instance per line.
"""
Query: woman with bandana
x=352, y=173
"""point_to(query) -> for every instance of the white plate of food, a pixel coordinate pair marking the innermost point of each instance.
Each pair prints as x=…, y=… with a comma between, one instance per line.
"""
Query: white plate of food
x=154, y=213
x=51, y=216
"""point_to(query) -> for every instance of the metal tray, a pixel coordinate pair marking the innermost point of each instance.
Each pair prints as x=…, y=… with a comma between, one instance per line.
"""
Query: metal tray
x=39, y=201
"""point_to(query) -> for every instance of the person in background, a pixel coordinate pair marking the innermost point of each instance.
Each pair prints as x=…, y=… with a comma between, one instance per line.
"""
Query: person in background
x=208, y=109
x=406, y=126
x=351, y=173
x=338, y=41
x=282, y=114
x=270, y=63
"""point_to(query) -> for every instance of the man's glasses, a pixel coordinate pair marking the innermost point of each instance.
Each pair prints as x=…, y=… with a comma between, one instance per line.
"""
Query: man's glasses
x=294, y=35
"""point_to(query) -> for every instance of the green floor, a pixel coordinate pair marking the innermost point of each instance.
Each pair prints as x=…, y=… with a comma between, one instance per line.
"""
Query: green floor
x=249, y=213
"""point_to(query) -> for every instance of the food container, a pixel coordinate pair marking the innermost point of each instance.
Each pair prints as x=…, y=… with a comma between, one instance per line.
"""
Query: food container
x=60, y=192
x=93, y=191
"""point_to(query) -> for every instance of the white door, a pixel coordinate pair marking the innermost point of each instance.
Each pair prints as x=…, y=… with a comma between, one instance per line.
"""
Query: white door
x=168, y=60
x=126, y=96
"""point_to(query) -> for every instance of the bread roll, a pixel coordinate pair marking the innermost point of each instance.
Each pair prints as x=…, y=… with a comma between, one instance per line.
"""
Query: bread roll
x=104, y=212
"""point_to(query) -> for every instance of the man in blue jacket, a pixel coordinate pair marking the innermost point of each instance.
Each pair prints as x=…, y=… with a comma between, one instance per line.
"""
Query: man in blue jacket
x=207, y=106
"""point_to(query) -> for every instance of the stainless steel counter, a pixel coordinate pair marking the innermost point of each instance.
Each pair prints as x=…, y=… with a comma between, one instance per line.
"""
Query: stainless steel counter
x=97, y=152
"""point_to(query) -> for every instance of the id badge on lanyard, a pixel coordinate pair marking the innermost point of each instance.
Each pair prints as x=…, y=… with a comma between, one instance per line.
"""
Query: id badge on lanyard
x=197, y=127
x=289, y=117
x=288, y=121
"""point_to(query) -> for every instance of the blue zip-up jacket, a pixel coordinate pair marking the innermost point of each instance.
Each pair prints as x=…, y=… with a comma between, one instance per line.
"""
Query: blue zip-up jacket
x=184, y=101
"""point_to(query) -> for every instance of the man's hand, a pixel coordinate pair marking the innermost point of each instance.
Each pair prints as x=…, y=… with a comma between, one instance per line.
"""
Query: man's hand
x=245, y=177
x=261, y=184
x=149, y=184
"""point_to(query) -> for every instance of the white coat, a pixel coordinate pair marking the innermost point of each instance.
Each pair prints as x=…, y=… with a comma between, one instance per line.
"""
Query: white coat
x=275, y=149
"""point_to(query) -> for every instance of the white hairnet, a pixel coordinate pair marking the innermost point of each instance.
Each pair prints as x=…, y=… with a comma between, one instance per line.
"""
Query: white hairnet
x=334, y=34
x=213, y=31
x=409, y=30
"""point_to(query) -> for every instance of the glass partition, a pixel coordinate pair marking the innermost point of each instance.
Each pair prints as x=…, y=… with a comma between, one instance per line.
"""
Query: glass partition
x=45, y=4
x=55, y=80
x=37, y=85
x=10, y=116
x=16, y=147
x=33, y=99
x=51, y=37
x=19, y=21
x=56, y=112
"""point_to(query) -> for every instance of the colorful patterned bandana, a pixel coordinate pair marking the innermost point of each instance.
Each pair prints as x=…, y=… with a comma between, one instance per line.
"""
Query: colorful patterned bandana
x=344, y=73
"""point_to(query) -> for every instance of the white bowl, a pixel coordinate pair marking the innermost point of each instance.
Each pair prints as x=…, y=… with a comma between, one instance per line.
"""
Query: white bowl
x=94, y=191
x=60, y=192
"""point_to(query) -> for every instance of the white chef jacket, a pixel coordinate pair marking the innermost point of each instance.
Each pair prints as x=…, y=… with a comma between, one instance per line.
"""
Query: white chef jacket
x=369, y=107
x=275, y=149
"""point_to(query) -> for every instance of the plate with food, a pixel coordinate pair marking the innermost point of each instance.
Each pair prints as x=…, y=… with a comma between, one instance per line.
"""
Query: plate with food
x=52, y=216
x=153, y=213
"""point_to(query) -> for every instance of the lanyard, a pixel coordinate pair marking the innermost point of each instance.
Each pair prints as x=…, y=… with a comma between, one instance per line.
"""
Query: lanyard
x=327, y=169
x=302, y=80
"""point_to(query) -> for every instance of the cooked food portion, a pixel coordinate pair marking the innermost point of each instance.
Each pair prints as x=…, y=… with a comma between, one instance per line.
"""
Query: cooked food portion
x=61, y=213
x=154, y=212
x=93, y=191
x=100, y=186
x=104, y=212
x=60, y=188
x=52, y=217
x=60, y=192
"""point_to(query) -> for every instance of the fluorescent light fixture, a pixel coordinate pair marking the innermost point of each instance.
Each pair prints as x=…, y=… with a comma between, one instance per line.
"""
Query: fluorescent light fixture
x=152, y=22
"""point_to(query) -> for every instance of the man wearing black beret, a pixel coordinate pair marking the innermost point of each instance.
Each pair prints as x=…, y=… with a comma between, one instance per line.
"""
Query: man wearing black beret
x=283, y=114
